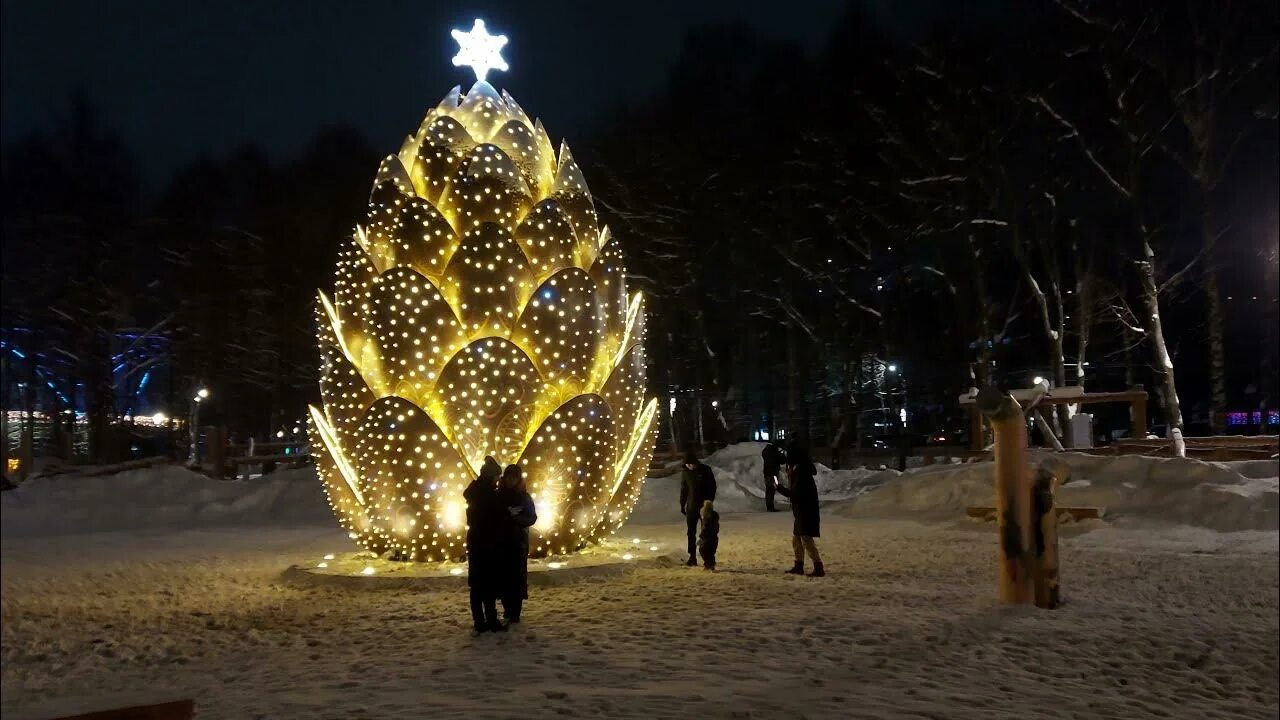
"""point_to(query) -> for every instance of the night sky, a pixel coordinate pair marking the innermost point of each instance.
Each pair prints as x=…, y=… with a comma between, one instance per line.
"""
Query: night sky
x=180, y=79
x=183, y=80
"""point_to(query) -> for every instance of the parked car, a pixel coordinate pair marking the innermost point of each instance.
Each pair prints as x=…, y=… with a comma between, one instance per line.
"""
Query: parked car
x=951, y=436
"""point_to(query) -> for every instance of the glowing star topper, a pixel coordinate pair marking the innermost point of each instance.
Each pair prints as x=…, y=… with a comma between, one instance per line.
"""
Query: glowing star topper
x=480, y=50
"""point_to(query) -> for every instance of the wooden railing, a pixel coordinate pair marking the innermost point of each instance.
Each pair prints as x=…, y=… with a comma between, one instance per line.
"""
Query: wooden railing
x=1220, y=448
x=225, y=458
x=1136, y=399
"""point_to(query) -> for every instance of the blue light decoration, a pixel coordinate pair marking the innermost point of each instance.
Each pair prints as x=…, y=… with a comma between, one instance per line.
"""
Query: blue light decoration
x=1255, y=418
x=140, y=351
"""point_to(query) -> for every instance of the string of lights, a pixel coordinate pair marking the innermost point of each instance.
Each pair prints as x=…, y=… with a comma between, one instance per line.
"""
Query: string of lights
x=480, y=310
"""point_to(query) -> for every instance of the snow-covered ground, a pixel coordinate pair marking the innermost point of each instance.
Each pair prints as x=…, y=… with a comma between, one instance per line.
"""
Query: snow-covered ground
x=161, y=584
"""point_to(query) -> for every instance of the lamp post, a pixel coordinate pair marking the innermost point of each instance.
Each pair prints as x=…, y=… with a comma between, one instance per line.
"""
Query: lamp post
x=898, y=421
x=194, y=425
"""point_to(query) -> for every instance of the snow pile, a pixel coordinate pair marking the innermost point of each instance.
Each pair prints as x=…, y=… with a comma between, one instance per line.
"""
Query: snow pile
x=743, y=466
x=739, y=471
x=1225, y=496
x=160, y=497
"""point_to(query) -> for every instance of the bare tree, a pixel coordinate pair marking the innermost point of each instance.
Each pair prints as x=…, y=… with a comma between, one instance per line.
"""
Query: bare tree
x=1120, y=160
x=1205, y=73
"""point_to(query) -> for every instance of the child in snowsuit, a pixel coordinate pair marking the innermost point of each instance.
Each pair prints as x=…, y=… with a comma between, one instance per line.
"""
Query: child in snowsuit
x=709, y=538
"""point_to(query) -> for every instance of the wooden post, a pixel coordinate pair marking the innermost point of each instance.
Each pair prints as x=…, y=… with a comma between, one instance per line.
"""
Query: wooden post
x=904, y=448
x=26, y=453
x=1013, y=494
x=1046, y=532
x=1138, y=413
x=975, y=429
x=215, y=439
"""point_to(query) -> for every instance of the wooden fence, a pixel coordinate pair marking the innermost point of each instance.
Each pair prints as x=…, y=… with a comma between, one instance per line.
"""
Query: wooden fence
x=228, y=460
x=1220, y=448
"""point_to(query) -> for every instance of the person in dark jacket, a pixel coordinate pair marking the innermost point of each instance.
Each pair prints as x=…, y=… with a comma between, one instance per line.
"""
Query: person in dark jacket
x=698, y=485
x=803, y=493
x=709, y=538
x=483, y=539
x=773, y=457
x=518, y=515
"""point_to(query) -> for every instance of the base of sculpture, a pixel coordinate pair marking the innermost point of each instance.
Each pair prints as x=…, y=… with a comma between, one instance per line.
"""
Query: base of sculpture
x=364, y=570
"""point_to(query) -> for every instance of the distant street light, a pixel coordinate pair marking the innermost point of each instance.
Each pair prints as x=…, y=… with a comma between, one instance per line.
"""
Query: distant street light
x=893, y=368
x=194, y=425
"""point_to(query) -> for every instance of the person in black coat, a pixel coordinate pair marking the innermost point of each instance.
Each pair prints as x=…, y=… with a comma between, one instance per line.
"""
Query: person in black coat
x=803, y=493
x=773, y=457
x=698, y=485
x=518, y=515
x=483, y=541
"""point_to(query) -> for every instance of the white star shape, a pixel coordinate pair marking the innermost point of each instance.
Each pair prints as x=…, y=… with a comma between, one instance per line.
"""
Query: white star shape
x=480, y=50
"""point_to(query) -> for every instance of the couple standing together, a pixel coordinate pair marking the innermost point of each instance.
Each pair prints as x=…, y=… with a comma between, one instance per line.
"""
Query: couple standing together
x=500, y=512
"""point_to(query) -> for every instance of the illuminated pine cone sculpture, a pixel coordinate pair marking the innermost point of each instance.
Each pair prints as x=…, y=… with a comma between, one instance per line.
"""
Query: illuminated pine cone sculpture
x=480, y=310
